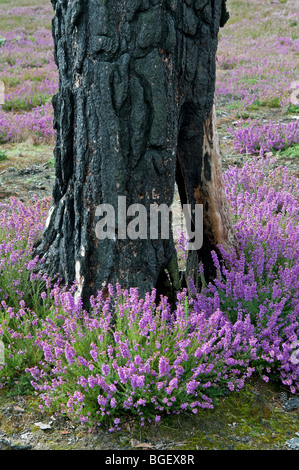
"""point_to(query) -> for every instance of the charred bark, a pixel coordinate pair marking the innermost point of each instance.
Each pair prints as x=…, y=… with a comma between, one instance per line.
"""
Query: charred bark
x=134, y=113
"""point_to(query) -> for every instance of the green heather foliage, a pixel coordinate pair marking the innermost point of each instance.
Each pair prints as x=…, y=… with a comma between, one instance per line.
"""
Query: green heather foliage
x=3, y=156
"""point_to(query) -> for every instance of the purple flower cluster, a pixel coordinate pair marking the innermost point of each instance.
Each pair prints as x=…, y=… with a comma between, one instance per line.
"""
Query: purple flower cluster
x=19, y=126
x=182, y=244
x=256, y=136
x=171, y=363
x=20, y=299
x=30, y=95
x=262, y=281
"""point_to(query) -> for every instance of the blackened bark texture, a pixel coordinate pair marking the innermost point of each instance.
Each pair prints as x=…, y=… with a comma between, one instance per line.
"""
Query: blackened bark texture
x=134, y=112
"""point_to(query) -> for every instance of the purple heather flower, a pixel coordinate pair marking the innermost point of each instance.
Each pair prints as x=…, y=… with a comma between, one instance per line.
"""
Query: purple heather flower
x=163, y=366
x=110, y=351
x=113, y=403
x=105, y=369
x=102, y=401
x=82, y=381
x=92, y=381
x=70, y=353
x=79, y=396
x=192, y=386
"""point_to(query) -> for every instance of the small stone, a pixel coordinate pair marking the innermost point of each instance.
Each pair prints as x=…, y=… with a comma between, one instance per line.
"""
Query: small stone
x=5, y=444
x=291, y=404
x=293, y=443
x=42, y=426
x=21, y=447
x=18, y=409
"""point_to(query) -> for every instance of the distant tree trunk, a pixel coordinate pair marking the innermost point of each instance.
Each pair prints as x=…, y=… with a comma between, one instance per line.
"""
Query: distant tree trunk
x=135, y=112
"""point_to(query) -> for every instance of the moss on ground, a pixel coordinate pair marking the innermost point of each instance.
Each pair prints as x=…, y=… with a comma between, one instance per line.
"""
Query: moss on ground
x=290, y=152
x=251, y=419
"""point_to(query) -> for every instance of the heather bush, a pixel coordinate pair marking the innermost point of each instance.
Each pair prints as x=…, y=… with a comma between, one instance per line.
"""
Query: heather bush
x=262, y=280
x=20, y=289
x=30, y=76
x=18, y=127
x=256, y=136
x=131, y=357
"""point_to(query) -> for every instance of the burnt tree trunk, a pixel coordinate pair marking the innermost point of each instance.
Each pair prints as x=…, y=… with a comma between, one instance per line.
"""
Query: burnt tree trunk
x=135, y=112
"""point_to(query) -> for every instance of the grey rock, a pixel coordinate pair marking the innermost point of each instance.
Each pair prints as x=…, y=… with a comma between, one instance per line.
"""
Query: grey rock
x=283, y=397
x=293, y=443
x=32, y=170
x=291, y=404
x=21, y=447
x=5, y=444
